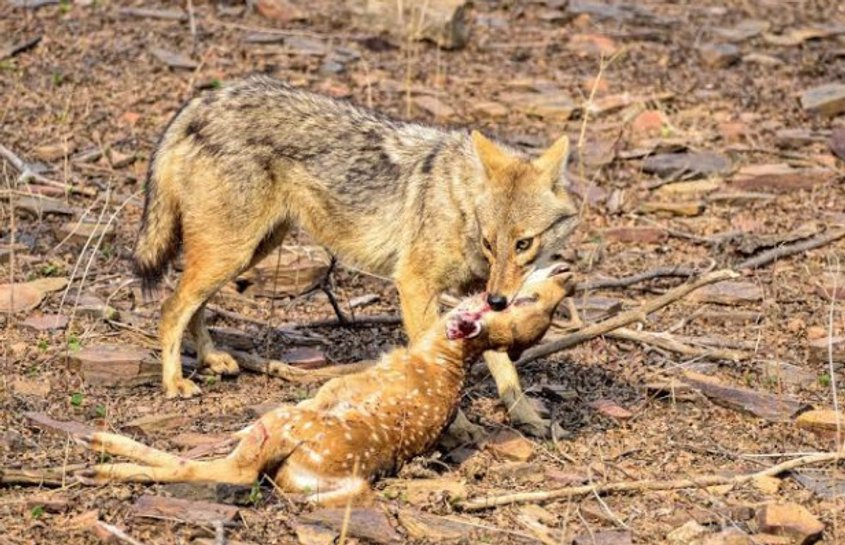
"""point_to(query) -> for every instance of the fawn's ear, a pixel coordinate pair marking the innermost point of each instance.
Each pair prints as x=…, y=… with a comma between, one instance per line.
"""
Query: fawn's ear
x=464, y=325
x=493, y=158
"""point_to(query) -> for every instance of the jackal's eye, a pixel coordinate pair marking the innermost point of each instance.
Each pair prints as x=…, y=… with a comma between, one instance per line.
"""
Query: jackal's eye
x=523, y=244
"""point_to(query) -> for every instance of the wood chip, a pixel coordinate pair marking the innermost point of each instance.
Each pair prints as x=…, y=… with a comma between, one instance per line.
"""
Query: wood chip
x=825, y=348
x=610, y=408
x=422, y=491
x=821, y=419
x=435, y=528
x=57, y=427
x=511, y=445
x=26, y=296
x=639, y=235
x=688, y=165
x=825, y=100
x=688, y=208
x=46, y=322
x=20, y=47
x=289, y=271
x=780, y=178
x=774, y=408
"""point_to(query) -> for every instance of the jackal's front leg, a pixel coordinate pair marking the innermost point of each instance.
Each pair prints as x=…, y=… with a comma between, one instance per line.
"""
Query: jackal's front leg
x=521, y=412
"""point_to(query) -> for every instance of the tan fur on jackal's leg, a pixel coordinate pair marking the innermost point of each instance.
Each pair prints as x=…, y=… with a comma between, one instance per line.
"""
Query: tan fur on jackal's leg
x=205, y=272
x=208, y=355
x=522, y=414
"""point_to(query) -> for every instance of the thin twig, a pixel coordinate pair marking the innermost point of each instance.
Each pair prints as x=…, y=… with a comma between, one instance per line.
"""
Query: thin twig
x=791, y=249
x=28, y=174
x=292, y=373
x=625, y=318
x=670, y=342
x=646, y=484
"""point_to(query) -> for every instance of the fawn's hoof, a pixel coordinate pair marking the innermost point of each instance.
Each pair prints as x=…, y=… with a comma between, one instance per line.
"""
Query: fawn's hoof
x=221, y=363
x=183, y=388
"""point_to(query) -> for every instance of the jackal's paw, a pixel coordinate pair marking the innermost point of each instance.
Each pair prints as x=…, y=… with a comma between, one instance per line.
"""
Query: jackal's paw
x=221, y=363
x=181, y=387
x=525, y=416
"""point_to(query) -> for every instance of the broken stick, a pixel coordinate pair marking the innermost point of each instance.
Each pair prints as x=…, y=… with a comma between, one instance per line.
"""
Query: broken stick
x=786, y=250
x=646, y=484
x=621, y=320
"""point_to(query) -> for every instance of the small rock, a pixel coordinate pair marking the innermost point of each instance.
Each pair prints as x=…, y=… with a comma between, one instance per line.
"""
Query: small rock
x=761, y=59
x=46, y=322
x=649, y=123
x=688, y=209
x=173, y=59
x=194, y=512
x=733, y=131
x=687, y=165
x=729, y=293
x=593, y=45
x=739, y=197
x=293, y=271
x=685, y=534
x=364, y=300
x=366, y=523
x=837, y=142
x=671, y=389
x=315, y=534
x=550, y=106
x=307, y=47
x=435, y=528
x=43, y=206
x=230, y=494
x=719, y=55
x=51, y=503
x=610, y=408
x=790, y=519
x=816, y=332
x=823, y=348
x=795, y=138
x=444, y=22
x=744, y=30
x=91, y=306
x=610, y=537
x=821, y=420
x=434, y=107
x=232, y=338
x=515, y=470
x=730, y=536
x=22, y=297
x=767, y=485
x=79, y=233
x=30, y=387
x=780, y=178
x=115, y=365
x=789, y=374
x=54, y=152
x=148, y=425
x=826, y=100
x=489, y=109
x=422, y=491
x=694, y=187
x=511, y=445
x=278, y=10
x=638, y=235
x=774, y=408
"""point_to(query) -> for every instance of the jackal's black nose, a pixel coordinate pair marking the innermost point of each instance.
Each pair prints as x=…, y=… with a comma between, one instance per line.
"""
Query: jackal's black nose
x=496, y=301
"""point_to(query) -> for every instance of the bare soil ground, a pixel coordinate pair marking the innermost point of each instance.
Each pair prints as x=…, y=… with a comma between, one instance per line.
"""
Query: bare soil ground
x=92, y=84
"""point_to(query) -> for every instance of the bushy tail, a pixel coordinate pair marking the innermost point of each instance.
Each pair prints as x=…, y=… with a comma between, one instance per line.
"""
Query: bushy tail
x=159, y=238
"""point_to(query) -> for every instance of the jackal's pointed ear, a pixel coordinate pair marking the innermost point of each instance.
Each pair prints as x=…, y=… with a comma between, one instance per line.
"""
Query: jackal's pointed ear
x=553, y=161
x=492, y=157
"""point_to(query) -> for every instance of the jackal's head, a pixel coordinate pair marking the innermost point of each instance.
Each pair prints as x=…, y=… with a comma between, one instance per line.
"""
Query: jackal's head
x=522, y=323
x=525, y=215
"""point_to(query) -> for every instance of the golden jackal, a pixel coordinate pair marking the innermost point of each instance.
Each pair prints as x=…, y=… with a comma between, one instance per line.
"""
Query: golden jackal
x=237, y=168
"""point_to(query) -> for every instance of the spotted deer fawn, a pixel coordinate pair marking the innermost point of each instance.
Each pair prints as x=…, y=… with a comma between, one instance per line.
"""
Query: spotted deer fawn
x=359, y=426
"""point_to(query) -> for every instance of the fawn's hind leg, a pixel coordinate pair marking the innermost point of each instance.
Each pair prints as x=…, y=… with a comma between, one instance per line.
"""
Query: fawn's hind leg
x=224, y=470
x=208, y=355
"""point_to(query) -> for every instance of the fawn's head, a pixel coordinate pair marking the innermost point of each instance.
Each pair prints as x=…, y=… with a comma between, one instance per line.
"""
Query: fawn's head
x=524, y=216
x=522, y=323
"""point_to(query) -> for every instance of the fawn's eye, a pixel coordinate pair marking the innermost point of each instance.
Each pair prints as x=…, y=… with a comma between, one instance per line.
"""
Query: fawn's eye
x=523, y=244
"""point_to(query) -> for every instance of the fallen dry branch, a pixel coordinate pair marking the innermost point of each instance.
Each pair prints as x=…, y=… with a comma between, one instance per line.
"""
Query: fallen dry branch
x=51, y=476
x=625, y=318
x=646, y=484
x=786, y=250
x=292, y=373
x=625, y=281
x=673, y=344
x=27, y=174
